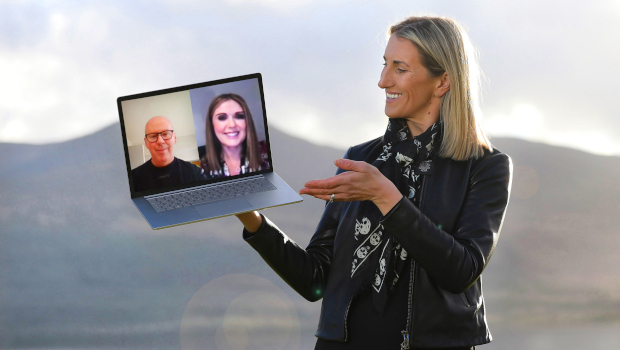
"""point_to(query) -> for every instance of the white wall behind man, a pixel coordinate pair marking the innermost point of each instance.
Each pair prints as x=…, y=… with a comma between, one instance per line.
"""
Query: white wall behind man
x=174, y=106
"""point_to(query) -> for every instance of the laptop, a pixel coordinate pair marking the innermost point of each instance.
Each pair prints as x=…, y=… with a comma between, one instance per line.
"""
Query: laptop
x=200, y=151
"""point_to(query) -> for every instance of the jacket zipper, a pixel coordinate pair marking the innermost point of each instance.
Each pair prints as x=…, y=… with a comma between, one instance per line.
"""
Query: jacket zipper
x=407, y=332
x=346, y=314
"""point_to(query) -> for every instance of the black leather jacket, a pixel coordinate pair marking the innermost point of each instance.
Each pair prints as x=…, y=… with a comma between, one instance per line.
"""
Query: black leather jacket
x=450, y=238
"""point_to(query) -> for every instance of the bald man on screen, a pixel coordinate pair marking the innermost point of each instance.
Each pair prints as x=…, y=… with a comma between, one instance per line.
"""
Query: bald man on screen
x=163, y=169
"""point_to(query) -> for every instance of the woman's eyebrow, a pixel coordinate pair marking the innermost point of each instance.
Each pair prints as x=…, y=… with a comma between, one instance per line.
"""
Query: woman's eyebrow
x=397, y=62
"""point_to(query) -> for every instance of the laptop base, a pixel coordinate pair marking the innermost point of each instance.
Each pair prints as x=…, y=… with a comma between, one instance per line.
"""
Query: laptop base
x=282, y=195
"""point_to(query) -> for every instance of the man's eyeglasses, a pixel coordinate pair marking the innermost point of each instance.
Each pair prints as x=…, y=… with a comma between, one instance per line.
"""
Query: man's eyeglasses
x=166, y=135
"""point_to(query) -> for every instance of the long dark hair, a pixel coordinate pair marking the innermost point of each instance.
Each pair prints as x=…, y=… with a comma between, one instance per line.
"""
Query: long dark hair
x=250, y=149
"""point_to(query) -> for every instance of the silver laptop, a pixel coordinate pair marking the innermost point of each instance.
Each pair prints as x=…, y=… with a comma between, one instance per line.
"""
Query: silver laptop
x=200, y=151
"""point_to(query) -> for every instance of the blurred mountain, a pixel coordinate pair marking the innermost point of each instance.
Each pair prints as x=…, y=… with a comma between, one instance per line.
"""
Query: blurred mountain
x=557, y=261
x=81, y=268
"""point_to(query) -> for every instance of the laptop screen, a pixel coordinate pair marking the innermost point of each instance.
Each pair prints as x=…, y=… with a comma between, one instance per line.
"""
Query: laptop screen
x=196, y=134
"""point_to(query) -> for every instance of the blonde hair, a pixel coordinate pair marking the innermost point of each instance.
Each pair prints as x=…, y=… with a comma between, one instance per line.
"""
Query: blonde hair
x=445, y=47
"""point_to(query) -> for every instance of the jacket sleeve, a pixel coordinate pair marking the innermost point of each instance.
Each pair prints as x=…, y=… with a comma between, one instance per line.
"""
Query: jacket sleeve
x=455, y=261
x=305, y=270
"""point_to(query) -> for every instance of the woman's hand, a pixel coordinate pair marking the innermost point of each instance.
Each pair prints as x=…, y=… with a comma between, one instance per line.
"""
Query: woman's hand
x=251, y=220
x=363, y=182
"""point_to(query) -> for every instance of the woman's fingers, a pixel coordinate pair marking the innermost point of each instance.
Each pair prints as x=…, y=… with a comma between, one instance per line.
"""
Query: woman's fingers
x=352, y=165
x=357, y=184
x=315, y=191
x=323, y=191
x=330, y=182
x=326, y=183
x=337, y=197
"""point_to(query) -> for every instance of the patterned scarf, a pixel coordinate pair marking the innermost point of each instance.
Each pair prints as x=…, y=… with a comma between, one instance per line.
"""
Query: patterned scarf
x=379, y=257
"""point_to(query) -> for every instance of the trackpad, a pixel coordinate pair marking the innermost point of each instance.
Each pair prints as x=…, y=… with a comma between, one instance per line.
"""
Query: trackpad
x=225, y=207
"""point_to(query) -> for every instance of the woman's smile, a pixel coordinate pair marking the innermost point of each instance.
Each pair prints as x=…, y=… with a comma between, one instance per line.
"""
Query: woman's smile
x=232, y=134
x=391, y=97
x=229, y=124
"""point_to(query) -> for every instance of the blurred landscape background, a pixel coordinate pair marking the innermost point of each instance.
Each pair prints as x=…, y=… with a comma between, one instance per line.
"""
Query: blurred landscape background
x=81, y=269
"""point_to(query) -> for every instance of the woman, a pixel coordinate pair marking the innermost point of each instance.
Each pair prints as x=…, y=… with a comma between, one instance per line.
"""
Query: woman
x=232, y=146
x=413, y=216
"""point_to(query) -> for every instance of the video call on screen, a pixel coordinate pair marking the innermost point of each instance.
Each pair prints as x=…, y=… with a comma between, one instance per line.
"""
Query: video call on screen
x=218, y=132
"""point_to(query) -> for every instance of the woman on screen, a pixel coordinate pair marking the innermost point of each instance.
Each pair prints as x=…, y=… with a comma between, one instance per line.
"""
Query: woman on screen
x=232, y=145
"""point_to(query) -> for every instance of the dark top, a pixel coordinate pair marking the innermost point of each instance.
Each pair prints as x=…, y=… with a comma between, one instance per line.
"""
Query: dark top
x=367, y=329
x=224, y=171
x=148, y=177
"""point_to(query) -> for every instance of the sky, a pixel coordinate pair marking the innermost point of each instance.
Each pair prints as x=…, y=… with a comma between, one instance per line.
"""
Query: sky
x=550, y=67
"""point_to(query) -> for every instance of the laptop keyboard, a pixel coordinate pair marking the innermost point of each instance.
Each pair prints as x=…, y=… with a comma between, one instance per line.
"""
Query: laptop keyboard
x=209, y=194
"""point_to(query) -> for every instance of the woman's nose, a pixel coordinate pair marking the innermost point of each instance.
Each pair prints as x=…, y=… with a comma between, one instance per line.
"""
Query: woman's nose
x=384, y=80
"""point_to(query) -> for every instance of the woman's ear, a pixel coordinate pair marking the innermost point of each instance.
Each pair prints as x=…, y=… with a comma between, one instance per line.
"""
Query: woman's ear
x=445, y=83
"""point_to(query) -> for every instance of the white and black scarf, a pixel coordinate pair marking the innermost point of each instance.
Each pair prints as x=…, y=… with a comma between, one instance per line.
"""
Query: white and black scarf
x=378, y=258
